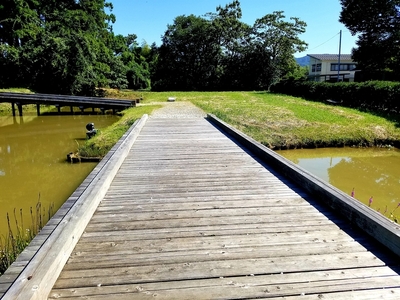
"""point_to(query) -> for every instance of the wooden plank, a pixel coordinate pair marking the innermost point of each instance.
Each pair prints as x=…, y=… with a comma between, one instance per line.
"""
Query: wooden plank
x=211, y=242
x=215, y=269
x=140, y=256
x=210, y=230
x=383, y=288
x=203, y=213
x=245, y=282
x=367, y=294
x=143, y=206
x=129, y=198
x=192, y=222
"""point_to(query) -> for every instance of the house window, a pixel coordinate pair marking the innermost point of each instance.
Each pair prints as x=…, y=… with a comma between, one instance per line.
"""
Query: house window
x=316, y=68
x=343, y=67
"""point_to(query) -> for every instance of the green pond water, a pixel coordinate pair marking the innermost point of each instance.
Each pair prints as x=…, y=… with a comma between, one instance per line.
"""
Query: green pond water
x=33, y=164
x=371, y=172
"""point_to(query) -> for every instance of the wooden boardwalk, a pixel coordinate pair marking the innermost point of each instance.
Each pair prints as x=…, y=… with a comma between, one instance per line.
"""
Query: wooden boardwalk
x=191, y=215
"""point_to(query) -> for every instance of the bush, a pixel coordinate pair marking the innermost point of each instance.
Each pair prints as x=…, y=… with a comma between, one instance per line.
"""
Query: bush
x=375, y=96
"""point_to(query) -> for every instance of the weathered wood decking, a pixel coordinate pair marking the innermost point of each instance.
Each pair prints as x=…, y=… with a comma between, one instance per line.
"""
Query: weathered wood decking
x=191, y=215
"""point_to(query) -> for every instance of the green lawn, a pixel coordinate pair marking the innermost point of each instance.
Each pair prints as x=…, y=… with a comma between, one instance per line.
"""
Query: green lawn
x=280, y=121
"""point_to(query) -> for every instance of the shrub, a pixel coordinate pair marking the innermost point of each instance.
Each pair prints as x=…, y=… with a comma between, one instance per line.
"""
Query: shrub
x=374, y=96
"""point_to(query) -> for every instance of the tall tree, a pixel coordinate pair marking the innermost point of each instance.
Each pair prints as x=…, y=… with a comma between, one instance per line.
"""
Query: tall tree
x=276, y=41
x=19, y=23
x=58, y=46
x=231, y=37
x=219, y=52
x=377, y=24
x=186, y=55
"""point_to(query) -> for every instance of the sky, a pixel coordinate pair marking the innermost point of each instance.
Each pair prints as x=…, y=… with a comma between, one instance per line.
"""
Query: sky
x=148, y=19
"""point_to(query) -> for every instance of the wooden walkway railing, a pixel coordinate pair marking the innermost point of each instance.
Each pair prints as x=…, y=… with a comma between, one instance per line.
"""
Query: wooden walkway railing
x=60, y=101
x=192, y=215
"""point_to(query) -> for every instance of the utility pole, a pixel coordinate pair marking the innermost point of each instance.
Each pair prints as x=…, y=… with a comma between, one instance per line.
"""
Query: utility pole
x=340, y=47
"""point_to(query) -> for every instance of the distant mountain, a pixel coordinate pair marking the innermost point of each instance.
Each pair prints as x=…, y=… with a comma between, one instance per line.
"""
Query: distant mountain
x=303, y=61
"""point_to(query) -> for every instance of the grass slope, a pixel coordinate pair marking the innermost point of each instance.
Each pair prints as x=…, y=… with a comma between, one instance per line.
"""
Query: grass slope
x=282, y=122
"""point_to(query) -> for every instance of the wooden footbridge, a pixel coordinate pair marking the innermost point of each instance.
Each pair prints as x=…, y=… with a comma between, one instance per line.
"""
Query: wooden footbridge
x=59, y=101
x=189, y=208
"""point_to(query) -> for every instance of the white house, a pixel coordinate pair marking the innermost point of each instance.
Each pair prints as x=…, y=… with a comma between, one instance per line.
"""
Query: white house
x=328, y=67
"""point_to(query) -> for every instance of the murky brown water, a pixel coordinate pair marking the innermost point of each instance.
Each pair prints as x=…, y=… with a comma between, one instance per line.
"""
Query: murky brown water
x=33, y=161
x=372, y=172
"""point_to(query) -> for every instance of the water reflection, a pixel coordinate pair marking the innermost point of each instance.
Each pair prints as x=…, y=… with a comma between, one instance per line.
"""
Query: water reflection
x=372, y=172
x=33, y=160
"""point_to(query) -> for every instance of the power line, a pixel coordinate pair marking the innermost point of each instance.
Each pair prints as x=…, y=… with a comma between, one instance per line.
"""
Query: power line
x=324, y=42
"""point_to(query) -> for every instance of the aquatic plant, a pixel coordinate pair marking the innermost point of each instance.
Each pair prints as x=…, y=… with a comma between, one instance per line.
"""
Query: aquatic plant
x=18, y=239
x=390, y=216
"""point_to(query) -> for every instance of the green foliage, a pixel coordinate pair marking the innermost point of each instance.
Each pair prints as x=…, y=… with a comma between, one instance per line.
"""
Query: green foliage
x=374, y=96
x=377, y=24
x=187, y=57
x=66, y=47
x=219, y=52
x=277, y=40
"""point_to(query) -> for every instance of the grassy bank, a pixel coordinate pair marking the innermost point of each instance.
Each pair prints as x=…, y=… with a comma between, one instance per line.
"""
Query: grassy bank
x=282, y=122
x=277, y=121
x=99, y=145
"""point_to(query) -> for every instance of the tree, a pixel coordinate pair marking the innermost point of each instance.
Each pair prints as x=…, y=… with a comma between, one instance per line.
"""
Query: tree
x=186, y=56
x=137, y=59
x=276, y=41
x=61, y=46
x=219, y=52
x=231, y=38
x=377, y=23
x=19, y=23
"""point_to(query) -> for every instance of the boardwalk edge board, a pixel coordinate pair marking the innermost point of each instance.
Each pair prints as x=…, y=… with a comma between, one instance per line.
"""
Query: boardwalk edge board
x=41, y=271
x=377, y=226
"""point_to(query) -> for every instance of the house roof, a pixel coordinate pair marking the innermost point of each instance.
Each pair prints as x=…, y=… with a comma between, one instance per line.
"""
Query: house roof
x=331, y=56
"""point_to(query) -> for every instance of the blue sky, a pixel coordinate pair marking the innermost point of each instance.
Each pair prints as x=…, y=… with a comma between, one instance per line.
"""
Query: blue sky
x=148, y=19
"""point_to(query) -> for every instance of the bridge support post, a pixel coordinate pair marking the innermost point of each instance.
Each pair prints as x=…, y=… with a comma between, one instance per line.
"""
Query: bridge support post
x=19, y=105
x=13, y=108
x=58, y=108
x=72, y=109
x=38, y=109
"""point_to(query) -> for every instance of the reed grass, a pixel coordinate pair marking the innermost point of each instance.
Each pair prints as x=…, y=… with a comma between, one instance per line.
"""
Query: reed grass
x=19, y=237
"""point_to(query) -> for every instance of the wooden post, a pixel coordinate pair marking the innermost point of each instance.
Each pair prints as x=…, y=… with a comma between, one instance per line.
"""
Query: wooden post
x=13, y=108
x=19, y=105
x=38, y=109
x=72, y=109
x=58, y=108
